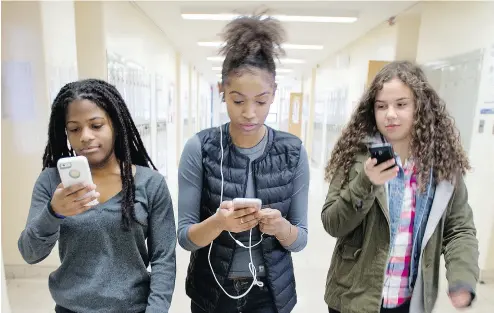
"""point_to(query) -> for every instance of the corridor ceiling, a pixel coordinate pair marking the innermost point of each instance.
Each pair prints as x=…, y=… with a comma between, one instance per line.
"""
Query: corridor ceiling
x=195, y=38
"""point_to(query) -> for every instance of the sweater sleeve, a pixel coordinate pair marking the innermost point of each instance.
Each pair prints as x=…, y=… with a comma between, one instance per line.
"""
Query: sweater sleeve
x=42, y=228
x=300, y=202
x=190, y=174
x=161, y=242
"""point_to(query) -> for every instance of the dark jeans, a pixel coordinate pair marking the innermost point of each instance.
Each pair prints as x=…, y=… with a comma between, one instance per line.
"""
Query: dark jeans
x=405, y=308
x=59, y=309
x=258, y=300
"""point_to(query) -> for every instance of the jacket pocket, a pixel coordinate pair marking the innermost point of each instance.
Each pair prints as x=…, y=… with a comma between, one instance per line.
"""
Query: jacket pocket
x=344, y=269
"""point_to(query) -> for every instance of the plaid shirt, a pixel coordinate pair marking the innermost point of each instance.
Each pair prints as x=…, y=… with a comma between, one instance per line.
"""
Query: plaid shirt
x=396, y=289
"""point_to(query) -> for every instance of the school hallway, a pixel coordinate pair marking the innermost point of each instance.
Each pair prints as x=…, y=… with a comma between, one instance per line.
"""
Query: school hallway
x=311, y=266
x=162, y=58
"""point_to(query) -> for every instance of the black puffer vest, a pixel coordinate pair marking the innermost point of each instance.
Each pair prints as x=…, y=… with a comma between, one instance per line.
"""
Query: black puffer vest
x=273, y=175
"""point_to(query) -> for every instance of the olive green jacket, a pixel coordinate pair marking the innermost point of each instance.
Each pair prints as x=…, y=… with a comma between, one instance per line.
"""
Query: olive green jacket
x=357, y=215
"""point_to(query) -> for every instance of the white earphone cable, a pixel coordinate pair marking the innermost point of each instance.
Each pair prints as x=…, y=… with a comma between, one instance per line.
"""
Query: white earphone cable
x=252, y=267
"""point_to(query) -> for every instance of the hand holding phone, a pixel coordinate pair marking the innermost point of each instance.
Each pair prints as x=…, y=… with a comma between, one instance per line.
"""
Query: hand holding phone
x=382, y=173
x=70, y=201
x=242, y=203
x=239, y=215
x=77, y=192
x=381, y=166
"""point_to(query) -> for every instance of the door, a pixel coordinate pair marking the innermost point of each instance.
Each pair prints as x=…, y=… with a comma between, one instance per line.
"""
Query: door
x=374, y=68
x=295, y=114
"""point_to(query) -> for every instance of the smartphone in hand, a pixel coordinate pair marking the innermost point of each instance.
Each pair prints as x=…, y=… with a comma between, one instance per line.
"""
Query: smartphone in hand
x=242, y=203
x=75, y=170
x=382, y=153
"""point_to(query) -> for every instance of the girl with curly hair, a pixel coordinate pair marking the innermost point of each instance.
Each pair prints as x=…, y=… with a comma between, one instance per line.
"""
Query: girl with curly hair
x=241, y=255
x=393, y=221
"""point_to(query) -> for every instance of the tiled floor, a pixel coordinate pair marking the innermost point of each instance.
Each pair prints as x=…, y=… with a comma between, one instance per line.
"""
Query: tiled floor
x=32, y=295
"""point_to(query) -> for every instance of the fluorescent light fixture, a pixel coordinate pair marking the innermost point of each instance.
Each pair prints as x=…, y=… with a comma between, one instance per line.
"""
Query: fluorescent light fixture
x=316, y=19
x=288, y=46
x=213, y=44
x=280, y=70
x=216, y=59
x=282, y=18
x=284, y=70
x=283, y=61
x=292, y=61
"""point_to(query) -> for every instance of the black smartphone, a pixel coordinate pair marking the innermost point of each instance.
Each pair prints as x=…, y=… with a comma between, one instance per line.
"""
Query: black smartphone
x=382, y=153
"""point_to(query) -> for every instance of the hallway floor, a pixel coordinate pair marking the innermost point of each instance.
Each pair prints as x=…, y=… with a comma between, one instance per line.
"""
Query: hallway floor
x=311, y=265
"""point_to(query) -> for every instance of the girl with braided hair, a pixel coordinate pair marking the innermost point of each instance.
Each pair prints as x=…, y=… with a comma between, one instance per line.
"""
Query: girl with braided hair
x=394, y=220
x=104, y=249
x=241, y=256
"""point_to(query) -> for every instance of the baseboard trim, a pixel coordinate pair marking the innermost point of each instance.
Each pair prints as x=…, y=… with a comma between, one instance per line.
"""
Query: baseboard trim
x=487, y=276
x=26, y=271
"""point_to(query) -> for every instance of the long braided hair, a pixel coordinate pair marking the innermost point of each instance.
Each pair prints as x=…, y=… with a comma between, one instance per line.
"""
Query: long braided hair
x=128, y=146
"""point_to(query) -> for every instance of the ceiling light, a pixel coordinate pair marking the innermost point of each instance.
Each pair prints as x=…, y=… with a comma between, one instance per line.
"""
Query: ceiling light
x=218, y=44
x=283, y=61
x=216, y=59
x=280, y=70
x=282, y=18
x=316, y=19
x=214, y=44
x=292, y=61
x=301, y=47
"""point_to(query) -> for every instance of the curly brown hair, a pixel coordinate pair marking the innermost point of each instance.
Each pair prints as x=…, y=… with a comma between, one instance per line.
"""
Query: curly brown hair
x=252, y=42
x=435, y=141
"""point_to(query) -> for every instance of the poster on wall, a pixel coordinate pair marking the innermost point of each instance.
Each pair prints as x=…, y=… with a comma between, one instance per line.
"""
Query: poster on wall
x=18, y=102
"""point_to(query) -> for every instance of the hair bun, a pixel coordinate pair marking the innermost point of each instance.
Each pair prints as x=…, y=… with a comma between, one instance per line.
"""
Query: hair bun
x=247, y=36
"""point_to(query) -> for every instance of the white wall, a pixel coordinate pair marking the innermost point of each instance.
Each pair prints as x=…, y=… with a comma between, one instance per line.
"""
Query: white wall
x=24, y=46
x=452, y=28
x=132, y=35
x=5, y=298
x=60, y=45
x=448, y=29
x=350, y=65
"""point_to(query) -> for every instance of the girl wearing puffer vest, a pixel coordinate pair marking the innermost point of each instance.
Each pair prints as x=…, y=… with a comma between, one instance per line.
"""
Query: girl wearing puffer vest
x=241, y=256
